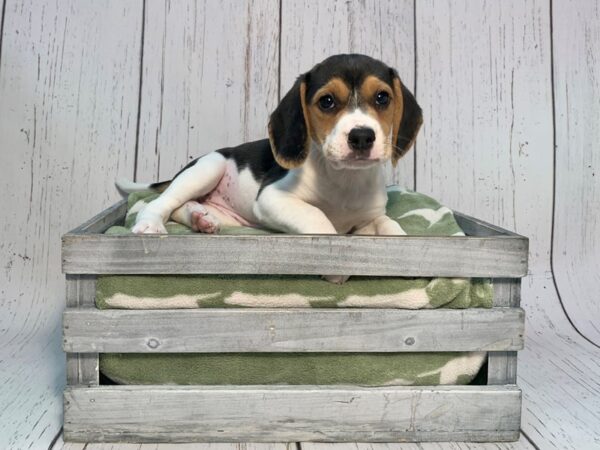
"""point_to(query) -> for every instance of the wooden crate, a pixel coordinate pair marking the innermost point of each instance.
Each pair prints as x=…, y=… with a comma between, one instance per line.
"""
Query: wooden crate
x=292, y=413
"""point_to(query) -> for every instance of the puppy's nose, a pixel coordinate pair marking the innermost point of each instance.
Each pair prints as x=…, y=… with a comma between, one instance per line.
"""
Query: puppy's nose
x=360, y=139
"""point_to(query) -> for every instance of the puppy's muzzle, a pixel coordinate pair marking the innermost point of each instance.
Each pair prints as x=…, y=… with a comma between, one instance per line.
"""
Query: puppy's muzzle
x=360, y=140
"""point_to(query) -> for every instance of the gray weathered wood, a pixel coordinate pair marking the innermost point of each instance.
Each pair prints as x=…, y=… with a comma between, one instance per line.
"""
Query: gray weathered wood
x=576, y=255
x=104, y=220
x=502, y=366
x=477, y=227
x=500, y=256
x=522, y=444
x=312, y=30
x=507, y=291
x=290, y=413
x=60, y=444
x=484, y=82
x=81, y=368
x=292, y=330
x=69, y=83
x=210, y=77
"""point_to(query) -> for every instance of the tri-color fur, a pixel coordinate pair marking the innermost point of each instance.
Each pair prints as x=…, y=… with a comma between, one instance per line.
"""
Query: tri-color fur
x=320, y=171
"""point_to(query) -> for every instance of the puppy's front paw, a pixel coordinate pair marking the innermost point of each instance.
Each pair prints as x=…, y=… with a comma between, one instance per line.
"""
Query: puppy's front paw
x=336, y=279
x=149, y=227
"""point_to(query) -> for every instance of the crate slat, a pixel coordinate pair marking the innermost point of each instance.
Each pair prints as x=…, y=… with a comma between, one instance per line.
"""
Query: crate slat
x=104, y=220
x=500, y=256
x=502, y=366
x=291, y=413
x=82, y=368
x=292, y=330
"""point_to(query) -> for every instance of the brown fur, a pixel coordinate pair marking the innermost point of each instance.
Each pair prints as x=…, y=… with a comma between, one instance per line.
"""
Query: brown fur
x=321, y=123
x=398, y=110
x=388, y=117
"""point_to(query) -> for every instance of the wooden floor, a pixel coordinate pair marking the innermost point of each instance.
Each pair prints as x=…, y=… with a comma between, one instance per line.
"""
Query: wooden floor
x=559, y=372
x=522, y=444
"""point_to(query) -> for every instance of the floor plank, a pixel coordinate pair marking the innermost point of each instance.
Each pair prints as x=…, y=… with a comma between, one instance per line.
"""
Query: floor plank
x=559, y=373
x=102, y=446
x=60, y=444
x=521, y=444
x=239, y=446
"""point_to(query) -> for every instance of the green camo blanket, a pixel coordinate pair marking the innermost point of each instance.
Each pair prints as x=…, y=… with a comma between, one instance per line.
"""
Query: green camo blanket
x=416, y=213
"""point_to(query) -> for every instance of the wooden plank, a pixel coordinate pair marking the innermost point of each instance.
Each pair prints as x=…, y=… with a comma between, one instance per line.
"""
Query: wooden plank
x=82, y=368
x=290, y=413
x=60, y=444
x=558, y=372
x=576, y=255
x=220, y=446
x=507, y=291
x=484, y=82
x=104, y=220
x=68, y=87
x=312, y=30
x=477, y=227
x=292, y=330
x=502, y=366
x=500, y=256
x=522, y=444
x=116, y=446
x=210, y=77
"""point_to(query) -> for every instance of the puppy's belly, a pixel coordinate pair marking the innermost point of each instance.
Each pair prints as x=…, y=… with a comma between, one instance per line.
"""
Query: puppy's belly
x=232, y=199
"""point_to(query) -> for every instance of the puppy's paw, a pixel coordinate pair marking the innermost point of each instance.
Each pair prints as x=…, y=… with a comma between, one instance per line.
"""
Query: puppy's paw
x=149, y=227
x=336, y=279
x=204, y=222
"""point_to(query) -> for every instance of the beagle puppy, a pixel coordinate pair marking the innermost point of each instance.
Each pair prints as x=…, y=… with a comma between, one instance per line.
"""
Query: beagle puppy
x=320, y=171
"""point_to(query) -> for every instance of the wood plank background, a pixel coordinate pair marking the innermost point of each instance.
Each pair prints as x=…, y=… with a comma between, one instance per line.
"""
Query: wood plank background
x=94, y=90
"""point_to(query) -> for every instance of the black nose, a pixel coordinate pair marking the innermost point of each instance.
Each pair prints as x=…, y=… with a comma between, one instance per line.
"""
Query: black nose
x=360, y=139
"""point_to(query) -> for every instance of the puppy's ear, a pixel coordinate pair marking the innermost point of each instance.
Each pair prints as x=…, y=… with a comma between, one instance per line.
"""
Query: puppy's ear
x=288, y=127
x=408, y=119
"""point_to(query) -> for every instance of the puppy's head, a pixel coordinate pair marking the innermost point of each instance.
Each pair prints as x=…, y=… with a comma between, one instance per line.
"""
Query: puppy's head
x=353, y=107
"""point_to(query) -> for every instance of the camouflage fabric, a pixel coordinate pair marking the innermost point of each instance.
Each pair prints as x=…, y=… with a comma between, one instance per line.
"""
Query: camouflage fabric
x=416, y=213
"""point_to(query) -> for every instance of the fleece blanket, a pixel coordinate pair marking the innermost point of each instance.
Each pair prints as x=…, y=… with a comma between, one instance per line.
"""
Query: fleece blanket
x=418, y=214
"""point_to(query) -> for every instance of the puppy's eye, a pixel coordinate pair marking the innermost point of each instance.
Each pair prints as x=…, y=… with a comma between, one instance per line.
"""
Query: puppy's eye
x=326, y=102
x=382, y=98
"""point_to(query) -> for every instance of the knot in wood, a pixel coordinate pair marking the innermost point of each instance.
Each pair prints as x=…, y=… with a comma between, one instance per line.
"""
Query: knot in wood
x=153, y=343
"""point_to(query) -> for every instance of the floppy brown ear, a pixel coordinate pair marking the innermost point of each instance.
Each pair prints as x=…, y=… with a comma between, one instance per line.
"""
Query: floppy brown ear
x=408, y=118
x=288, y=127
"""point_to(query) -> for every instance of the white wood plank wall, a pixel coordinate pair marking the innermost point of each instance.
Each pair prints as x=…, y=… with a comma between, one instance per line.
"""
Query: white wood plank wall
x=69, y=86
x=93, y=90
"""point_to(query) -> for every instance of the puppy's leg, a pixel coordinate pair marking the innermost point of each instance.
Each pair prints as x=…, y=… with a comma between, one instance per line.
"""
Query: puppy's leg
x=382, y=226
x=194, y=182
x=283, y=211
x=197, y=217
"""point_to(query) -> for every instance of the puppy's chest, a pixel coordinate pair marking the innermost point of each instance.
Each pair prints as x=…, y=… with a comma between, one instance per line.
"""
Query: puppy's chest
x=347, y=210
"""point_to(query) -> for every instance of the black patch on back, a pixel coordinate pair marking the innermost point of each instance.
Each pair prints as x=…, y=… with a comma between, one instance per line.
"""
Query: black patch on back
x=258, y=157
